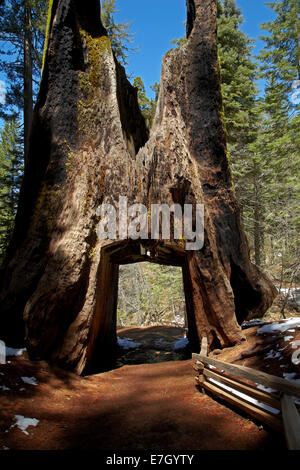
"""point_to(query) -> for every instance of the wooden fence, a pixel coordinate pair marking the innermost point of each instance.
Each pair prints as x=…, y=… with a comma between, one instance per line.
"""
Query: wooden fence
x=265, y=397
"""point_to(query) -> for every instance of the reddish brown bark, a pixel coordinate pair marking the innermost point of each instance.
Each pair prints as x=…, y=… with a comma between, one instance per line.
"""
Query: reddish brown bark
x=89, y=144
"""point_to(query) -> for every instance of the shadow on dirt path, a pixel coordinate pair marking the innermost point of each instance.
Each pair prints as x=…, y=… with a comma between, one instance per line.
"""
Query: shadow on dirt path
x=149, y=406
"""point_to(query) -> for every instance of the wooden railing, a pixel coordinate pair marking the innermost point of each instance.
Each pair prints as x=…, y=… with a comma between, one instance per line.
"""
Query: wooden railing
x=272, y=403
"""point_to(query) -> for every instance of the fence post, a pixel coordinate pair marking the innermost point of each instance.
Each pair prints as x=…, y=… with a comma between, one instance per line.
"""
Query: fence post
x=199, y=366
x=2, y=353
x=291, y=422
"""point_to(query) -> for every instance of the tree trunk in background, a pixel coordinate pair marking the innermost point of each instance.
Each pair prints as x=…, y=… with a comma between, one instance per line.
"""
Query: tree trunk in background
x=257, y=226
x=28, y=95
x=89, y=145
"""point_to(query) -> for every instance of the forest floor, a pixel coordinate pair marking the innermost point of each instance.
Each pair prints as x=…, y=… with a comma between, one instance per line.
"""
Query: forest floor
x=149, y=401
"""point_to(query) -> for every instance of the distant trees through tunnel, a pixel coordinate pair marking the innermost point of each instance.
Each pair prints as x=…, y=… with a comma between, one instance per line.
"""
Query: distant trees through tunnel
x=150, y=295
x=151, y=314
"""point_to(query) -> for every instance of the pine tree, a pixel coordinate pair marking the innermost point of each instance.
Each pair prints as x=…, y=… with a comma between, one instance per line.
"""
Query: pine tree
x=238, y=73
x=280, y=140
x=120, y=34
x=147, y=106
x=281, y=55
x=22, y=26
x=143, y=101
x=150, y=294
x=11, y=172
x=243, y=119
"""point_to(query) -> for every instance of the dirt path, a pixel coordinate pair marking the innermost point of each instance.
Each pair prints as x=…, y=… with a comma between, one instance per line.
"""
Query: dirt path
x=134, y=407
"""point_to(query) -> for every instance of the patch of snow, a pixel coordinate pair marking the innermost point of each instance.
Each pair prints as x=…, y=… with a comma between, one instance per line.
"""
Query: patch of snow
x=23, y=423
x=29, y=380
x=273, y=355
x=5, y=448
x=292, y=293
x=291, y=376
x=14, y=351
x=276, y=326
x=4, y=388
x=246, y=397
x=288, y=338
x=295, y=360
x=251, y=323
x=296, y=354
x=180, y=343
x=127, y=343
x=291, y=331
x=265, y=389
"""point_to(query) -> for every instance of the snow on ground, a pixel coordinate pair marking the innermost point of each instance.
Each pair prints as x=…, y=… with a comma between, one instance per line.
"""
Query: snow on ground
x=296, y=354
x=29, y=380
x=251, y=323
x=273, y=355
x=4, y=388
x=282, y=326
x=23, y=423
x=293, y=293
x=14, y=351
x=291, y=376
x=127, y=343
x=180, y=343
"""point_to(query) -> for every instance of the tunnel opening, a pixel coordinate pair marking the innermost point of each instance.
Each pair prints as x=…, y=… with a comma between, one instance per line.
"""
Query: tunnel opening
x=158, y=329
x=151, y=314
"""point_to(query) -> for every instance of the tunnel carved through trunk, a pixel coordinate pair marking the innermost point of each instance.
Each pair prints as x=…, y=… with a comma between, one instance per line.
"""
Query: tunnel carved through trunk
x=89, y=145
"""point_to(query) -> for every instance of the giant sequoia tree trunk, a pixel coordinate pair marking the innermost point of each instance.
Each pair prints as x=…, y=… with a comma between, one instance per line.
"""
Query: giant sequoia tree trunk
x=89, y=145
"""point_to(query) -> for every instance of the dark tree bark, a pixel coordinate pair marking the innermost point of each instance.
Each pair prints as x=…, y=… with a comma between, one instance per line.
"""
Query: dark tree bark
x=89, y=145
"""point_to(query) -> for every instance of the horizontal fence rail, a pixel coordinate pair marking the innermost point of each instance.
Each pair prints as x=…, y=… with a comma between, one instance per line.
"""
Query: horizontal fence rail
x=265, y=397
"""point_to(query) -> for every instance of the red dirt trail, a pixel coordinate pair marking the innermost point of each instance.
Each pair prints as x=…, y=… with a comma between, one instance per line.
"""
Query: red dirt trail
x=134, y=407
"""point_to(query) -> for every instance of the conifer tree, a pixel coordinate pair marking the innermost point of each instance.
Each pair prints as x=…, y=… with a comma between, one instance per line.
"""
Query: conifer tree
x=120, y=34
x=147, y=106
x=11, y=172
x=279, y=142
x=22, y=28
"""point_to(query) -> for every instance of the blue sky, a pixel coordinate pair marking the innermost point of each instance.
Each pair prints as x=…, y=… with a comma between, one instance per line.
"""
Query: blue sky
x=157, y=22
